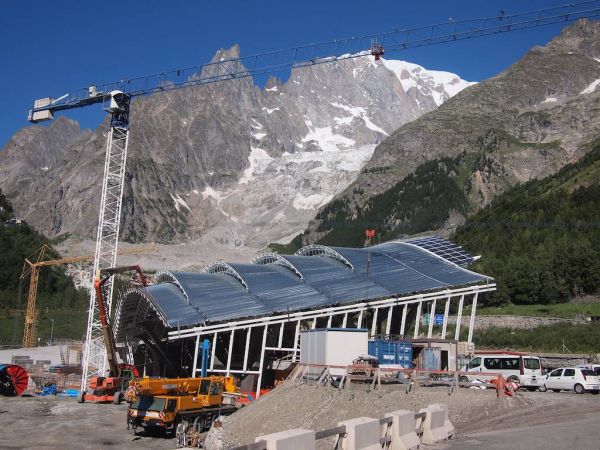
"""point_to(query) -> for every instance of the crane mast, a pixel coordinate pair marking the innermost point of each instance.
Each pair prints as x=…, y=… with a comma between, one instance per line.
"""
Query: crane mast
x=107, y=238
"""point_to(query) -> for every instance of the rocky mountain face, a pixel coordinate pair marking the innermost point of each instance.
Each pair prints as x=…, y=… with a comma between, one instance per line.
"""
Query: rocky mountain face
x=525, y=123
x=229, y=162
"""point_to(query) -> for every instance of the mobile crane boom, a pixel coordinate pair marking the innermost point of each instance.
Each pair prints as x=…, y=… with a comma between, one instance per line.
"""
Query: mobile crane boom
x=109, y=339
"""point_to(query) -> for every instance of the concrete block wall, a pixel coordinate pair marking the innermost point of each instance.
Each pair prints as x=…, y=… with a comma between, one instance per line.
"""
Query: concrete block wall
x=404, y=432
x=362, y=433
x=296, y=439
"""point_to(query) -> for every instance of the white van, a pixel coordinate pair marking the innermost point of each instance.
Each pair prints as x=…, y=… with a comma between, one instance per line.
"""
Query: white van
x=520, y=367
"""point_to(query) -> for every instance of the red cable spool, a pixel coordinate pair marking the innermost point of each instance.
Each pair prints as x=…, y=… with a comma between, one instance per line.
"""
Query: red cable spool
x=13, y=380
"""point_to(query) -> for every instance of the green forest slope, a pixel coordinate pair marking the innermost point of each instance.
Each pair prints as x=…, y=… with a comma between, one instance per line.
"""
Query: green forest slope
x=541, y=240
x=57, y=297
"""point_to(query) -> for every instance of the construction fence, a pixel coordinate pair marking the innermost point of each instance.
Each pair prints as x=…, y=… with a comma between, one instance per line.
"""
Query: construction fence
x=319, y=374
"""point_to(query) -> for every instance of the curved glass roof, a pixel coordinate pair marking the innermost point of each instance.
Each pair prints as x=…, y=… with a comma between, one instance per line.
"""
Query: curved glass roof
x=316, y=276
x=333, y=279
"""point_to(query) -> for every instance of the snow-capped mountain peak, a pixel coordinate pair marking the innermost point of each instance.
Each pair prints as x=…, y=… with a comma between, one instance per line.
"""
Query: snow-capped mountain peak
x=438, y=84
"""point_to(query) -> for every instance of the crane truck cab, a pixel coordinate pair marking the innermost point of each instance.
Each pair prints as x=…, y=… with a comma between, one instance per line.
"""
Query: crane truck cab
x=163, y=403
x=110, y=389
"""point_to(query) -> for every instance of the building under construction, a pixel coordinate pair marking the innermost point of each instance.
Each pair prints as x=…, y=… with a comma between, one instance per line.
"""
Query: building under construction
x=253, y=313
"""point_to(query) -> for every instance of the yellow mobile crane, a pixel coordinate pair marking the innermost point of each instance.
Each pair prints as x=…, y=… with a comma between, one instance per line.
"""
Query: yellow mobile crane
x=175, y=404
x=33, y=268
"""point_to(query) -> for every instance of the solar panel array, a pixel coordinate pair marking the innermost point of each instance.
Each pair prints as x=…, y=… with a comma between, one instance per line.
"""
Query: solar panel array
x=312, y=280
x=445, y=249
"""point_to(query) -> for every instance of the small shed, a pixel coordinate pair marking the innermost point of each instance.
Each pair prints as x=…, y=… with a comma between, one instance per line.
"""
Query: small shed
x=332, y=347
x=435, y=354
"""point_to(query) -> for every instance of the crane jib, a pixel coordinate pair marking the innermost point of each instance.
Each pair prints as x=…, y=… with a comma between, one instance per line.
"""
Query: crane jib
x=318, y=53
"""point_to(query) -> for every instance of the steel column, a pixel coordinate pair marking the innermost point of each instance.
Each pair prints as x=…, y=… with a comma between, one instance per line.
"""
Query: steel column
x=195, y=356
x=445, y=322
x=230, y=351
x=296, y=343
x=262, y=360
x=280, y=340
x=418, y=320
x=247, y=347
x=403, y=322
x=388, y=323
x=374, y=324
x=360, y=316
x=212, y=352
x=431, y=319
x=472, y=320
x=459, y=317
x=345, y=320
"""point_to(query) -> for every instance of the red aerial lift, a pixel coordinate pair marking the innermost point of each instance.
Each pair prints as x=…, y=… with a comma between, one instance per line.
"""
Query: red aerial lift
x=110, y=389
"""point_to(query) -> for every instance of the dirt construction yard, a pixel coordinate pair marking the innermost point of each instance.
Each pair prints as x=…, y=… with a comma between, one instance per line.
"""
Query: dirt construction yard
x=62, y=423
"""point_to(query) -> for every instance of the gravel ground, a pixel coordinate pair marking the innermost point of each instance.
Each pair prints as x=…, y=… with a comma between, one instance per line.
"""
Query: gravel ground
x=62, y=423
x=304, y=406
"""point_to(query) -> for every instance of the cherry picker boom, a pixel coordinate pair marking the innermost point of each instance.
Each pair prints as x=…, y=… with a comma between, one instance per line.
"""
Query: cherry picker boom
x=111, y=388
x=117, y=96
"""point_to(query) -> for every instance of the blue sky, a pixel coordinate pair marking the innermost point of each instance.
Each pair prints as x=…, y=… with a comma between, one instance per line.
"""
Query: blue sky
x=49, y=48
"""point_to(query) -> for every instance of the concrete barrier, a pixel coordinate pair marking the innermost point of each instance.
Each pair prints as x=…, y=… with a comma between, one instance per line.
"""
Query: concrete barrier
x=448, y=427
x=294, y=439
x=436, y=425
x=398, y=430
x=362, y=433
x=403, y=434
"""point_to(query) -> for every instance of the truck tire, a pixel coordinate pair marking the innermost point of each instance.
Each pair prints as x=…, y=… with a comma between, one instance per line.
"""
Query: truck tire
x=181, y=433
x=118, y=398
x=542, y=388
x=463, y=379
x=81, y=397
x=579, y=389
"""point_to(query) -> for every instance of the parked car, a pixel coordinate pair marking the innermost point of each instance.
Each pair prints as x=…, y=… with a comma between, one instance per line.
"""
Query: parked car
x=514, y=367
x=572, y=379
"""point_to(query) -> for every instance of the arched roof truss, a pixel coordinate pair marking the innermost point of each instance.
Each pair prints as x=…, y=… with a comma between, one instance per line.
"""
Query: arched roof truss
x=164, y=276
x=323, y=250
x=223, y=267
x=274, y=258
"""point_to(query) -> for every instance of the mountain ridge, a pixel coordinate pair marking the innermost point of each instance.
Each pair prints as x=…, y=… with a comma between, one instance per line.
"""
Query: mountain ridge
x=524, y=123
x=229, y=162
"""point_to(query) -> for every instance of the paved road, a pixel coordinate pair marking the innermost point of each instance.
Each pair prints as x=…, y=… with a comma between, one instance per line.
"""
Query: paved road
x=580, y=434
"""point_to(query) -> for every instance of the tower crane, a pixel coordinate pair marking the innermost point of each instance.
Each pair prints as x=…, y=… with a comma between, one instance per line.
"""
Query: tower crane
x=33, y=268
x=116, y=97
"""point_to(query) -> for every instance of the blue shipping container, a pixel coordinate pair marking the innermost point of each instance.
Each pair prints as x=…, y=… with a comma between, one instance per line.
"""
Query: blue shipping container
x=392, y=352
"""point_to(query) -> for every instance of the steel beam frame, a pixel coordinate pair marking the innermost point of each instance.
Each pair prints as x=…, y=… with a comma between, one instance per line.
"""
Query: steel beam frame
x=312, y=317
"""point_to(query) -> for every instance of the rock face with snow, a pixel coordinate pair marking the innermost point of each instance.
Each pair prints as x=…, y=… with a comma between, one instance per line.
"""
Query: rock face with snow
x=229, y=162
x=527, y=122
